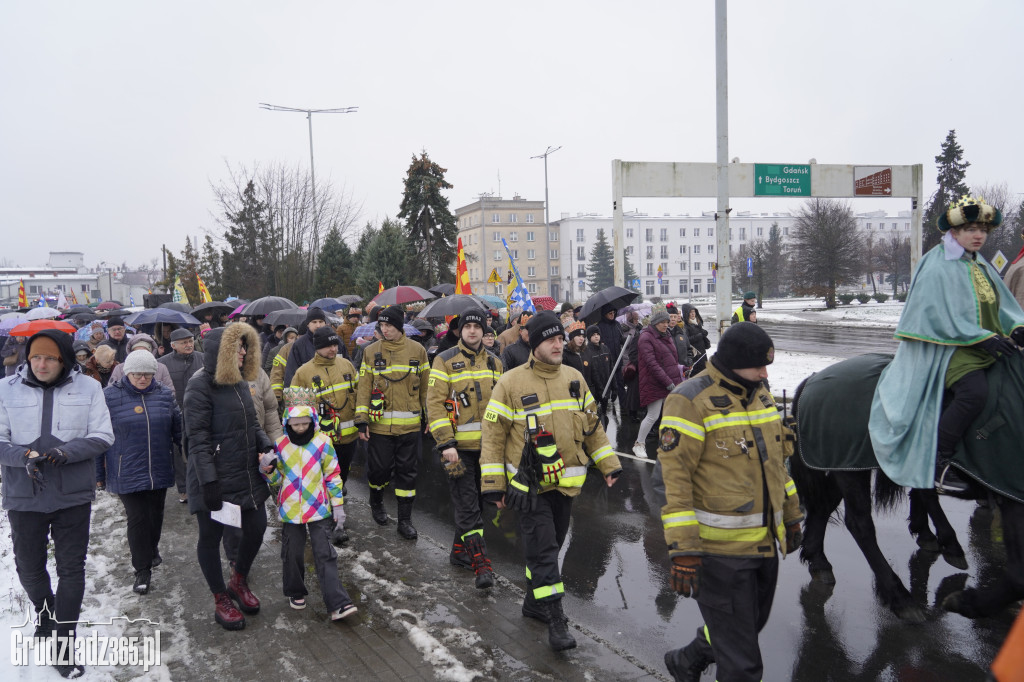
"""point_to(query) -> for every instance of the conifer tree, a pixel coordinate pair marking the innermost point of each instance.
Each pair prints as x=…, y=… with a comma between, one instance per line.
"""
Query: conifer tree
x=429, y=224
x=601, y=265
x=952, y=169
x=333, y=267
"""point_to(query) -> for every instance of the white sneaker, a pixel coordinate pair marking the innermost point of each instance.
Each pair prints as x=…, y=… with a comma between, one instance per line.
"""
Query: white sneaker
x=639, y=450
x=343, y=612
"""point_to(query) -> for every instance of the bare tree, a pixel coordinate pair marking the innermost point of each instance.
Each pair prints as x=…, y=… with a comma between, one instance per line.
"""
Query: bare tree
x=827, y=250
x=1004, y=238
x=894, y=259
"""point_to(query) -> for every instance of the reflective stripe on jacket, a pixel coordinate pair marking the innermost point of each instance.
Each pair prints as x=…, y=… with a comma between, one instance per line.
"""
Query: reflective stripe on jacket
x=403, y=366
x=460, y=372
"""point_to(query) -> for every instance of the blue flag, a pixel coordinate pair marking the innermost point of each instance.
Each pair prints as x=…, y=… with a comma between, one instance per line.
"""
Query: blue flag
x=519, y=295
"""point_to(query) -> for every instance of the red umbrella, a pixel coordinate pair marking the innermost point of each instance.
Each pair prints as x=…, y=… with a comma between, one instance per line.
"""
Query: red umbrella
x=30, y=328
x=402, y=294
x=545, y=302
x=108, y=305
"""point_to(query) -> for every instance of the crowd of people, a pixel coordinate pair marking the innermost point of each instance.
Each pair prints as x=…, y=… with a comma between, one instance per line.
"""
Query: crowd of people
x=235, y=413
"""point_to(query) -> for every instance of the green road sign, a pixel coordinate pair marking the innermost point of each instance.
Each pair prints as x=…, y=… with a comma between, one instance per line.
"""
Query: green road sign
x=777, y=179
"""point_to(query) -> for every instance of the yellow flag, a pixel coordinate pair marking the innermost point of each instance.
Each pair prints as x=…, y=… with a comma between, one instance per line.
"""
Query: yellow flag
x=204, y=293
x=179, y=291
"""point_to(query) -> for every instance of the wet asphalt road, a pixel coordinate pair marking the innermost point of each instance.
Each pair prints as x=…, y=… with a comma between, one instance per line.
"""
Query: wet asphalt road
x=615, y=571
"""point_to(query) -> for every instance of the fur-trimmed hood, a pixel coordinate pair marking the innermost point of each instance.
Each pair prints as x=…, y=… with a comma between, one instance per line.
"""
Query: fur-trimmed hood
x=220, y=354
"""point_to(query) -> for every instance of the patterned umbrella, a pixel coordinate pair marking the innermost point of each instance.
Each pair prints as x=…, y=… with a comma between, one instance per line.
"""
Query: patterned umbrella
x=402, y=294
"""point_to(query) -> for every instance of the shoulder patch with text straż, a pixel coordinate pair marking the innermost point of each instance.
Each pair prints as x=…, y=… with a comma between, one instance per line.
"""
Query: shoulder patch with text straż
x=458, y=365
x=721, y=401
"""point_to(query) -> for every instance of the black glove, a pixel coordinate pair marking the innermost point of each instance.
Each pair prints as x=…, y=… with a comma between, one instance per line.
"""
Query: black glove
x=211, y=496
x=794, y=537
x=34, y=467
x=685, y=577
x=1018, y=336
x=56, y=457
x=996, y=345
x=518, y=497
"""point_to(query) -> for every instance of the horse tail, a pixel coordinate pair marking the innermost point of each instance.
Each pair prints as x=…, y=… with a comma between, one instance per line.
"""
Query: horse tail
x=887, y=494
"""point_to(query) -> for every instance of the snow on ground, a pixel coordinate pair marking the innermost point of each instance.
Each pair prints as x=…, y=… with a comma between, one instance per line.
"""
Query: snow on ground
x=812, y=311
x=789, y=369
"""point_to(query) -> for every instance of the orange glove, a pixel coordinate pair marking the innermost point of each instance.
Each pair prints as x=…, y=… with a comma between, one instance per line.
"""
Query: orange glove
x=685, y=577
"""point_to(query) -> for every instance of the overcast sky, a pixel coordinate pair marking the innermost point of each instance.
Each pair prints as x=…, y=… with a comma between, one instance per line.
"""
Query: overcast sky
x=115, y=117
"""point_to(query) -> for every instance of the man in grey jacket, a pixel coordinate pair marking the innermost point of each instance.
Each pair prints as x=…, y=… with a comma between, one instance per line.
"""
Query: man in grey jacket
x=53, y=424
x=181, y=364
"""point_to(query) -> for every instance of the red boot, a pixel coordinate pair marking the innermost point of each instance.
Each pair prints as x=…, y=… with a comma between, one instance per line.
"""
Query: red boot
x=226, y=614
x=238, y=588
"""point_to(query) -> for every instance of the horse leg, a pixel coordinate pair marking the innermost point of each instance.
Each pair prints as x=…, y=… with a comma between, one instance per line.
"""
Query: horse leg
x=856, y=490
x=918, y=523
x=949, y=545
x=812, y=549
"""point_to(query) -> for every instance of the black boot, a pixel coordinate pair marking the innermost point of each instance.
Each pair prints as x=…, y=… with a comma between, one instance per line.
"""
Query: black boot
x=481, y=564
x=44, y=620
x=558, y=626
x=458, y=556
x=339, y=536
x=532, y=609
x=405, y=527
x=377, y=506
x=947, y=479
x=687, y=664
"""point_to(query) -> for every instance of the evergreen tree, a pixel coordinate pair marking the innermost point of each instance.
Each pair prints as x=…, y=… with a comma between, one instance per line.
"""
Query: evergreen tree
x=385, y=256
x=601, y=265
x=333, y=268
x=951, y=186
x=209, y=269
x=429, y=224
x=630, y=273
x=188, y=266
x=827, y=248
x=248, y=260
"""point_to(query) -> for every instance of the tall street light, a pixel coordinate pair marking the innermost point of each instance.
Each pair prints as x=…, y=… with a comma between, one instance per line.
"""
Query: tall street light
x=312, y=175
x=547, y=152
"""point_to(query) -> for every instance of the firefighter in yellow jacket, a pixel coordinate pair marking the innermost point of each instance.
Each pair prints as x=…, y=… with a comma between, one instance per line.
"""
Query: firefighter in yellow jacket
x=333, y=380
x=277, y=373
x=458, y=390
x=389, y=407
x=542, y=412
x=729, y=501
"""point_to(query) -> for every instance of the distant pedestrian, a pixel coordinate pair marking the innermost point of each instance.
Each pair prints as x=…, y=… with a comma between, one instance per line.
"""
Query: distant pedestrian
x=139, y=466
x=698, y=337
x=146, y=342
x=517, y=352
x=14, y=354
x=82, y=354
x=182, y=362
x=117, y=337
x=101, y=364
x=742, y=313
x=597, y=367
x=659, y=374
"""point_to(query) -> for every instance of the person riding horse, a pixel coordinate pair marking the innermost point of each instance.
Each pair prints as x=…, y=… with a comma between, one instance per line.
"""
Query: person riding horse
x=954, y=326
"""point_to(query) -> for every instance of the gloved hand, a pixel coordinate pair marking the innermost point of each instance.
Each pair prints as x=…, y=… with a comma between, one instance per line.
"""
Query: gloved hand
x=211, y=496
x=517, y=496
x=790, y=423
x=376, y=407
x=328, y=425
x=794, y=537
x=267, y=459
x=338, y=512
x=685, y=577
x=1018, y=336
x=551, y=464
x=56, y=457
x=996, y=345
x=34, y=467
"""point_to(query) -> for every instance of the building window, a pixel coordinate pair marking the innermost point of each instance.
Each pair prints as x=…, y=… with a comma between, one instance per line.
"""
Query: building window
x=531, y=287
x=649, y=287
x=682, y=265
x=682, y=248
x=512, y=217
x=906, y=227
x=682, y=231
x=515, y=253
x=649, y=234
x=85, y=288
x=711, y=286
x=711, y=248
x=785, y=232
x=650, y=268
x=663, y=234
x=580, y=254
x=696, y=232
x=529, y=217
x=554, y=271
x=696, y=248
x=664, y=252
x=760, y=231
x=495, y=218
x=531, y=254
x=629, y=250
x=664, y=288
x=530, y=237
x=499, y=289
x=579, y=235
x=553, y=254
x=696, y=266
x=553, y=236
x=682, y=286
x=629, y=233
x=743, y=234
x=33, y=289
x=711, y=265
x=531, y=271
x=581, y=270
x=711, y=232
x=497, y=255
x=696, y=286
x=650, y=252
x=513, y=236
x=497, y=236
x=869, y=226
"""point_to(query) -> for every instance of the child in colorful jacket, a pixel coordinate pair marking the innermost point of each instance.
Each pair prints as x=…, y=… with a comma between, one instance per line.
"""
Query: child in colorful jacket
x=305, y=467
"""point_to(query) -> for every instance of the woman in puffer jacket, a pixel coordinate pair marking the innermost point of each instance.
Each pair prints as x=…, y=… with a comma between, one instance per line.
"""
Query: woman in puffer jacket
x=139, y=466
x=659, y=374
x=145, y=341
x=224, y=440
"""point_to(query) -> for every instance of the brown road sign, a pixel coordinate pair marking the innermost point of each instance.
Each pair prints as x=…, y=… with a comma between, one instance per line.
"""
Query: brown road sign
x=872, y=181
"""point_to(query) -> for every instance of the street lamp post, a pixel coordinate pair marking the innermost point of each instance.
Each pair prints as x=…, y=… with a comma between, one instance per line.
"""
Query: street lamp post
x=547, y=152
x=312, y=174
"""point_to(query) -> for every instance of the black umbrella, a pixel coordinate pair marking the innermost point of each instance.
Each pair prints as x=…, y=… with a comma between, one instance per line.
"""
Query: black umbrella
x=177, y=305
x=351, y=299
x=214, y=307
x=267, y=305
x=616, y=297
x=442, y=289
x=291, y=317
x=75, y=309
x=161, y=314
x=82, y=318
x=456, y=304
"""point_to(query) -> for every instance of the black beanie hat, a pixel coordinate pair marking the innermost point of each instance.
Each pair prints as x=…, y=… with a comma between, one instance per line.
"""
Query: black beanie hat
x=315, y=314
x=114, y=321
x=472, y=315
x=324, y=337
x=593, y=329
x=393, y=315
x=745, y=345
x=542, y=327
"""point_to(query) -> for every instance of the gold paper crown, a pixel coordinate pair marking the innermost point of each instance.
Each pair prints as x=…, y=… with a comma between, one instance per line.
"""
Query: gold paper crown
x=299, y=397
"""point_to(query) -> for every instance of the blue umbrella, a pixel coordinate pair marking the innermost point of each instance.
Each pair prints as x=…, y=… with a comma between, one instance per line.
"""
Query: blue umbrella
x=366, y=330
x=496, y=301
x=328, y=305
x=165, y=315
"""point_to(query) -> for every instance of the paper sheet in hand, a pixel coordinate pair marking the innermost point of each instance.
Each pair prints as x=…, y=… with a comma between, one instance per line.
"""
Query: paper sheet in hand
x=229, y=514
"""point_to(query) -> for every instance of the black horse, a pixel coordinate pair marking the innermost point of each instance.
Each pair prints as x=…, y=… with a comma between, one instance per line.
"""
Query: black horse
x=835, y=463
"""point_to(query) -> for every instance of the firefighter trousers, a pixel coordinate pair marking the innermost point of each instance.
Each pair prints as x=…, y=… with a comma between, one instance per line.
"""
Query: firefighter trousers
x=392, y=459
x=735, y=600
x=465, y=490
x=543, y=531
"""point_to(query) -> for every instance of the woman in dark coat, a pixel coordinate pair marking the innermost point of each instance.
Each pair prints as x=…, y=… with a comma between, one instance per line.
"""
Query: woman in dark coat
x=628, y=370
x=698, y=337
x=139, y=466
x=659, y=374
x=224, y=441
